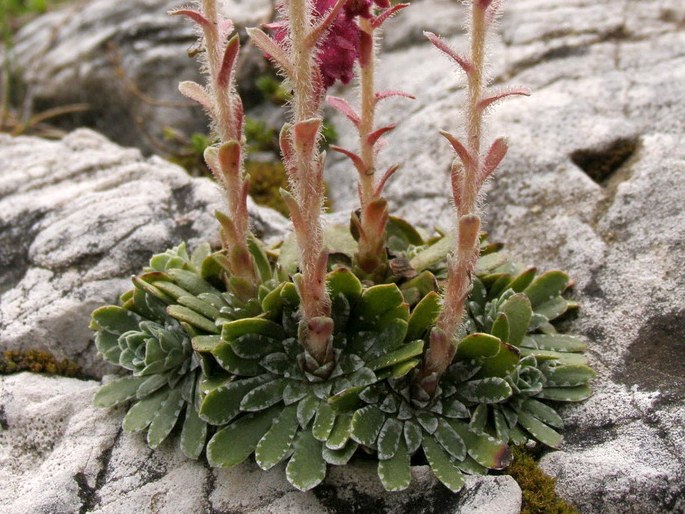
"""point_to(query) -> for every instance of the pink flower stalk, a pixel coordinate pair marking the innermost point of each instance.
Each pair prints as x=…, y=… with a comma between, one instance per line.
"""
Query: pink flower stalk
x=470, y=170
x=371, y=223
x=302, y=33
x=223, y=104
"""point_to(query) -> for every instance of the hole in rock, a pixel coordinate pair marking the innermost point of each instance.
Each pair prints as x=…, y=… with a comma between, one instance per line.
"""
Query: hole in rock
x=655, y=359
x=601, y=163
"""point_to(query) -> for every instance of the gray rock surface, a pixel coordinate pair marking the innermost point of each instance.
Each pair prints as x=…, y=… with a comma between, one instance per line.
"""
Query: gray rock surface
x=77, y=218
x=125, y=60
x=594, y=184
x=60, y=454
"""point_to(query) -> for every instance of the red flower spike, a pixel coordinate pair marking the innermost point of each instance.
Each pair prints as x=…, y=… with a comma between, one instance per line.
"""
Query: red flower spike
x=295, y=213
x=318, y=31
x=376, y=134
x=462, y=61
x=501, y=95
x=193, y=15
x=379, y=20
x=228, y=61
x=457, y=182
x=356, y=160
x=493, y=159
x=382, y=95
x=466, y=158
x=341, y=105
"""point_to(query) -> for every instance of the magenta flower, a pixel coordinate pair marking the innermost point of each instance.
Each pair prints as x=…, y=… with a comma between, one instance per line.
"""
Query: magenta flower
x=340, y=48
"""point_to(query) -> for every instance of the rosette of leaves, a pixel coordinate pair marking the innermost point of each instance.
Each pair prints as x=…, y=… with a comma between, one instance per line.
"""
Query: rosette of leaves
x=514, y=367
x=270, y=405
x=150, y=334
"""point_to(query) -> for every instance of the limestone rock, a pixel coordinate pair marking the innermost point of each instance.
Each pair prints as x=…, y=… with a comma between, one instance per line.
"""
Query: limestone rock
x=60, y=454
x=593, y=184
x=123, y=59
x=79, y=216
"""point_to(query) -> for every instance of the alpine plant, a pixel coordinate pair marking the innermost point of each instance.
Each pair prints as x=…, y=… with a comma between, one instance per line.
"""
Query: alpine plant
x=374, y=338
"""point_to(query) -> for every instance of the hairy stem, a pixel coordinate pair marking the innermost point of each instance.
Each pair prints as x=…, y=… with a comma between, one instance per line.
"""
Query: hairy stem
x=307, y=179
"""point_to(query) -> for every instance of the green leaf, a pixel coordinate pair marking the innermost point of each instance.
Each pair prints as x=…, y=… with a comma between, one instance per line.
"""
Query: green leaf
x=241, y=327
x=233, y=444
x=206, y=343
x=484, y=449
x=434, y=254
x=566, y=394
x=306, y=409
x=539, y=430
x=443, y=467
x=423, y=316
x=500, y=327
x=366, y=425
x=323, y=422
x=502, y=364
x=142, y=413
x=167, y=416
x=556, y=343
x=276, y=443
x=255, y=346
x=192, y=318
x=523, y=280
x=222, y=404
x=518, y=311
x=486, y=390
x=306, y=468
x=564, y=358
x=341, y=432
x=478, y=346
x=450, y=440
x=413, y=436
x=567, y=375
x=489, y=263
x=340, y=457
x=260, y=258
x=264, y=396
x=376, y=301
x=395, y=473
x=118, y=391
x=389, y=438
x=342, y=281
x=206, y=309
x=406, y=352
x=546, y=287
x=191, y=282
x=337, y=239
x=346, y=400
x=193, y=434
x=398, y=227
x=114, y=319
x=228, y=360
x=401, y=369
x=553, y=308
x=543, y=412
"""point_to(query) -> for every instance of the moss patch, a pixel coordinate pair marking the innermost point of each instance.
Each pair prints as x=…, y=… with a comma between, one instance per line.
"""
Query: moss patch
x=266, y=178
x=37, y=361
x=539, y=496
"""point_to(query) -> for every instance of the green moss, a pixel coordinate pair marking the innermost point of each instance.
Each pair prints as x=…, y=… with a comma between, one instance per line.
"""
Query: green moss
x=539, y=496
x=266, y=178
x=37, y=361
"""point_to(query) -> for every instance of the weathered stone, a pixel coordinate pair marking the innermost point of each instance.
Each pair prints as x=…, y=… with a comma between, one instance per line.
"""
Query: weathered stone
x=123, y=59
x=60, y=454
x=593, y=184
x=79, y=216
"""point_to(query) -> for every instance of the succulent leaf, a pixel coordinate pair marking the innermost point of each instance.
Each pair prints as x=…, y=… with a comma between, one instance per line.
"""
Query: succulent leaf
x=307, y=467
x=395, y=472
x=165, y=419
x=443, y=467
x=366, y=425
x=193, y=434
x=277, y=442
x=118, y=391
x=236, y=442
